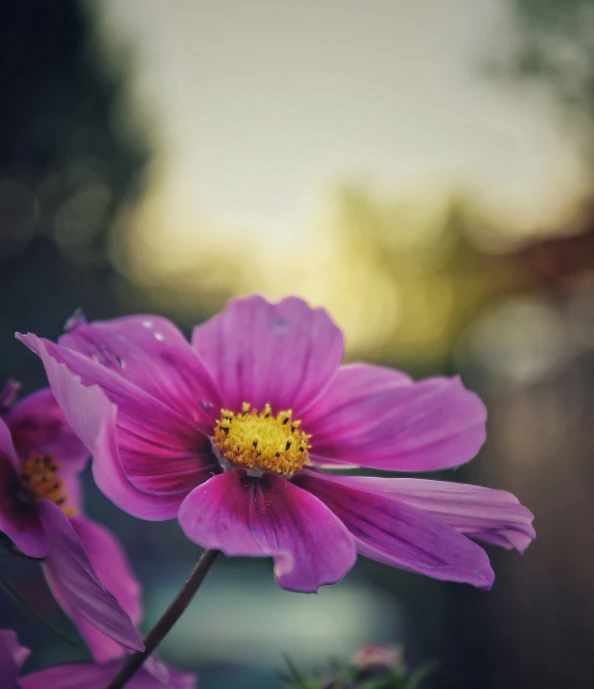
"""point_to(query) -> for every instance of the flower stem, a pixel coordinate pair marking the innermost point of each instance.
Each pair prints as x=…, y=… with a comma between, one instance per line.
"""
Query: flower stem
x=169, y=618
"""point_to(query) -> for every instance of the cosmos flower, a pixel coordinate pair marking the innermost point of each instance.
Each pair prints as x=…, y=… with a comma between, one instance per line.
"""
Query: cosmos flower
x=76, y=675
x=234, y=434
x=375, y=658
x=41, y=514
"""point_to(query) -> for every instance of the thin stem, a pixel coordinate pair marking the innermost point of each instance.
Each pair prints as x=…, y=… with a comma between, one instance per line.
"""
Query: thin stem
x=169, y=618
x=16, y=596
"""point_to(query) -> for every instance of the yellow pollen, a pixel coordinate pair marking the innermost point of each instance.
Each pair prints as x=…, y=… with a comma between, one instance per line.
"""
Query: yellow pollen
x=260, y=441
x=39, y=476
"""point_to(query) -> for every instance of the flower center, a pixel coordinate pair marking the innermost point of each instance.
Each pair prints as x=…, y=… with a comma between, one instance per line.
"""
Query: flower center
x=39, y=477
x=261, y=441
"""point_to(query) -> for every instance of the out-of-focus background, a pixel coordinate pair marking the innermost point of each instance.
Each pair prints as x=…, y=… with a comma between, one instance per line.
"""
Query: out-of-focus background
x=422, y=169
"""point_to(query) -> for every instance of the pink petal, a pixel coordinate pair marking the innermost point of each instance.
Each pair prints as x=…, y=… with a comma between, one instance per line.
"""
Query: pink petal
x=72, y=490
x=146, y=458
x=7, y=447
x=268, y=516
x=354, y=383
x=12, y=659
x=258, y=352
x=494, y=516
x=397, y=534
x=90, y=676
x=152, y=353
x=8, y=394
x=110, y=477
x=19, y=518
x=375, y=417
x=69, y=571
x=38, y=425
x=111, y=567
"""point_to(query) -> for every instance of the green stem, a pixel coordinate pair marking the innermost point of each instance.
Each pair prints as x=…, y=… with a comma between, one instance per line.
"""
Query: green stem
x=169, y=618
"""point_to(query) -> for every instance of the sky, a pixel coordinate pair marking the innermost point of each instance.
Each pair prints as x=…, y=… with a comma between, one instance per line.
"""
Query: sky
x=259, y=108
x=259, y=112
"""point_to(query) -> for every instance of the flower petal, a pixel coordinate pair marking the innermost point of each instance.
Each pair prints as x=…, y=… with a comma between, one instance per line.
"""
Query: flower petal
x=268, y=516
x=110, y=477
x=8, y=394
x=19, y=518
x=67, y=569
x=152, y=353
x=146, y=458
x=258, y=352
x=12, y=659
x=111, y=567
x=384, y=421
x=38, y=425
x=392, y=532
x=90, y=676
x=7, y=447
x=72, y=490
x=484, y=514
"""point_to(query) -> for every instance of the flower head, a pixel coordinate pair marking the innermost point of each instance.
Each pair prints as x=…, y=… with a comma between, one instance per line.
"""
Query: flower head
x=234, y=435
x=373, y=658
x=76, y=675
x=40, y=511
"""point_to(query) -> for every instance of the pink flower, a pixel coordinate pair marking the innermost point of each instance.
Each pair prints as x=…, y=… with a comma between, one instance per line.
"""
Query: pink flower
x=374, y=657
x=40, y=512
x=233, y=435
x=153, y=675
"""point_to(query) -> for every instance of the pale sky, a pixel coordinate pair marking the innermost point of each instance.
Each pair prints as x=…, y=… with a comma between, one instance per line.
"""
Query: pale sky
x=260, y=107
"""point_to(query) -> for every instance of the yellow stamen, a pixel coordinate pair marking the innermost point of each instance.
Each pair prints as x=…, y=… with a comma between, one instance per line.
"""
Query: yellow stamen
x=39, y=476
x=260, y=441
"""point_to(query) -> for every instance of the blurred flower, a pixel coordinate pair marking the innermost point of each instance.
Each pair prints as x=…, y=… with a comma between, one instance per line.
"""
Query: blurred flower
x=372, y=667
x=40, y=512
x=374, y=658
x=233, y=433
x=77, y=675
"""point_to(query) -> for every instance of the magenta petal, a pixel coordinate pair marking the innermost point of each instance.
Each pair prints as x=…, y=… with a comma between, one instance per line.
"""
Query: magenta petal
x=12, y=659
x=397, y=534
x=394, y=424
x=146, y=458
x=19, y=517
x=72, y=490
x=114, y=482
x=258, y=352
x=485, y=514
x=68, y=570
x=355, y=383
x=109, y=562
x=90, y=676
x=268, y=516
x=37, y=424
x=153, y=354
x=7, y=447
x=9, y=394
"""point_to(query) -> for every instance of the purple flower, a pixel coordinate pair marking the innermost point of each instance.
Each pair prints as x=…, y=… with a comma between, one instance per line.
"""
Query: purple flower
x=153, y=675
x=40, y=512
x=233, y=433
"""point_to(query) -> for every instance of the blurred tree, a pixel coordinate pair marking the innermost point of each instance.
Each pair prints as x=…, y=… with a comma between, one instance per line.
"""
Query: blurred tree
x=69, y=156
x=554, y=43
x=432, y=277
